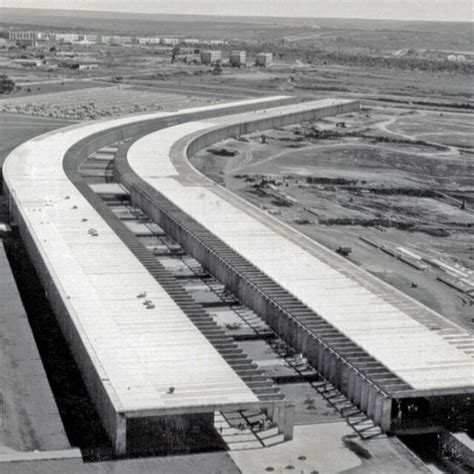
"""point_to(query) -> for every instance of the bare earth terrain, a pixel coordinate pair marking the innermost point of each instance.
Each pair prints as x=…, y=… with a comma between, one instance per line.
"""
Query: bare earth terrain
x=395, y=186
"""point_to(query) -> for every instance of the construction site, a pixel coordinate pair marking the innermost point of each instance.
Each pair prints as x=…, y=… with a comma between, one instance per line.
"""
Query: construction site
x=249, y=260
x=277, y=361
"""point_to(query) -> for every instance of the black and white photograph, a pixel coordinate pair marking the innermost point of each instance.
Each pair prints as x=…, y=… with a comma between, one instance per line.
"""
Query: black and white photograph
x=236, y=236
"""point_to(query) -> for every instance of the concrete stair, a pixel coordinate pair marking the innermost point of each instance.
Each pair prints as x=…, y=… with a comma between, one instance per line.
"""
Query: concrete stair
x=229, y=425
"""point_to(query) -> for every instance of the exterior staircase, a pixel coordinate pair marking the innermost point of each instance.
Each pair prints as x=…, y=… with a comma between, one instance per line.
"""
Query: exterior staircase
x=242, y=430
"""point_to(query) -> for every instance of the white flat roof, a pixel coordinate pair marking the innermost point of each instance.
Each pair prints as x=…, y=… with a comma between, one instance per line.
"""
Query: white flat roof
x=139, y=353
x=386, y=323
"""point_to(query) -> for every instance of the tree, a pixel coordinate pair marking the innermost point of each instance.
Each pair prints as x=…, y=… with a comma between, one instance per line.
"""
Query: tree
x=174, y=54
x=217, y=68
x=7, y=85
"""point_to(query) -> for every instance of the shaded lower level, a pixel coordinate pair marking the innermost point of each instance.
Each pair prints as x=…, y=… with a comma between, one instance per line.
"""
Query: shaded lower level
x=29, y=417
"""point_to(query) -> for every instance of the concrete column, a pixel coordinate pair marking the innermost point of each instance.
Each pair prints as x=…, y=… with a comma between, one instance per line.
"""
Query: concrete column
x=327, y=356
x=383, y=412
x=321, y=350
x=120, y=441
x=283, y=415
x=289, y=422
x=386, y=420
x=351, y=385
x=312, y=350
x=371, y=402
x=358, y=390
x=344, y=377
x=364, y=397
x=302, y=340
x=333, y=372
x=378, y=408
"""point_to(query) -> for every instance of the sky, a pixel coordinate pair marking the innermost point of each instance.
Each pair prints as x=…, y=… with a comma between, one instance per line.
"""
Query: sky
x=440, y=10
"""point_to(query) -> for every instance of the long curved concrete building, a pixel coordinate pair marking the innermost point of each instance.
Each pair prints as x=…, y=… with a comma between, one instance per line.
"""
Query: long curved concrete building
x=137, y=360
x=144, y=350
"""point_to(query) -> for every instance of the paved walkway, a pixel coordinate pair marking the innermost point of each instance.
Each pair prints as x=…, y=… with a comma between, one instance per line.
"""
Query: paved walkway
x=29, y=418
x=316, y=448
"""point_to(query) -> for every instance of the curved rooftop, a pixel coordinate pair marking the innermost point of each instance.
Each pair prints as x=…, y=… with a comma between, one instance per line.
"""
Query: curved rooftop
x=139, y=352
x=422, y=348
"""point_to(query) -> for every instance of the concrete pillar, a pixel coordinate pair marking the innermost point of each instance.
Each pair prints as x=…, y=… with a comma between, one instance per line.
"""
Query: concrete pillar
x=386, y=420
x=333, y=372
x=321, y=350
x=283, y=415
x=378, y=408
x=312, y=350
x=120, y=441
x=371, y=401
x=289, y=421
x=270, y=411
x=351, y=385
x=344, y=377
x=383, y=412
x=326, y=363
x=302, y=337
x=358, y=390
x=364, y=397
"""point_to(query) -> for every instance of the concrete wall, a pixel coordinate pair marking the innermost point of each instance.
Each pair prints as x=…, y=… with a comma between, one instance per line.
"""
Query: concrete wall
x=90, y=372
x=173, y=434
x=459, y=446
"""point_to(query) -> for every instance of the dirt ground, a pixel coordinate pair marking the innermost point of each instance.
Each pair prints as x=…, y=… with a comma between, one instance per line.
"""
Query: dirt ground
x=404, y=179
x=103, y=101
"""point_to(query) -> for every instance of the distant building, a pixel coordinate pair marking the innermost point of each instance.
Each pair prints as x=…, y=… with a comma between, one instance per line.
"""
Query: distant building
x=264, y=59
x=23, y=38
x=28, y=62
x=88, y=38
x=117, y=40
x=210, y=56
x=84, y=43
x=126, y=39
x=214, y=42
x=81, y=66
x=65, y=37
x=85, y=66
x=23, y=35
x=191, y=41
x=148, y=40
x=170, y=41
x=237, y=58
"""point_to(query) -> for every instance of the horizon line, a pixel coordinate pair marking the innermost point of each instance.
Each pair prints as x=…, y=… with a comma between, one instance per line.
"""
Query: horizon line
x=236, y=16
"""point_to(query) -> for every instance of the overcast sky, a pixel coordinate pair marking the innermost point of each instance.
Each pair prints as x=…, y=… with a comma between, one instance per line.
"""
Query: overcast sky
x=445, y=10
